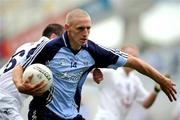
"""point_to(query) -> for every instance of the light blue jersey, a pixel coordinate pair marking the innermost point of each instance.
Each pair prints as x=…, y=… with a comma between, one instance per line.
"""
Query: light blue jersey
x=70, y=70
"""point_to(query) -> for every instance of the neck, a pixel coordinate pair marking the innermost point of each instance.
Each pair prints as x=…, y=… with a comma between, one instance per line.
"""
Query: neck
x=73, y=45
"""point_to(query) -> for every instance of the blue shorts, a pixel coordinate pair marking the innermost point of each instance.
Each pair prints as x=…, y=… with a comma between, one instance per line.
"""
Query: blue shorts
x=39, y=111
x=46, y=114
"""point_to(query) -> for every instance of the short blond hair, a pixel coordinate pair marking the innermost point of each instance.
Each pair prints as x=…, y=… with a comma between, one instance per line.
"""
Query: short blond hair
x=76, y=13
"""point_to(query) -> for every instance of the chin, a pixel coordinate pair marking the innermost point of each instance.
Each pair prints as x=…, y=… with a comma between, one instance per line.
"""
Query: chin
x=84, y=43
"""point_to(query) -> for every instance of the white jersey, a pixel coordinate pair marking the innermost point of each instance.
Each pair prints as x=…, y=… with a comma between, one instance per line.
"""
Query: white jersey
x=6, y=83
x=118, y=92
x=176, y=111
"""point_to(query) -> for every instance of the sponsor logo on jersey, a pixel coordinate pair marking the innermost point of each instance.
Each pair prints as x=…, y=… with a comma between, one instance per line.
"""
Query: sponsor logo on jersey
x=71, y=76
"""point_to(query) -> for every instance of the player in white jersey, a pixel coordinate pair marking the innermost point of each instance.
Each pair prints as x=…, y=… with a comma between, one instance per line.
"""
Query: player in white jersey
x=10, y=99
x=120, y=89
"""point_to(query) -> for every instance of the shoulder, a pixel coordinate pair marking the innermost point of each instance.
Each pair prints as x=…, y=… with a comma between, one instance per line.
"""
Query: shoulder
x=94, y=46
x=99, y=49
x=49, y=49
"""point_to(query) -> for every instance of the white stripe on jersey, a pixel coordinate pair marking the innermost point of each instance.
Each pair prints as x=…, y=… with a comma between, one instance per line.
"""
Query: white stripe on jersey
x=115, y=51
x=35, y=53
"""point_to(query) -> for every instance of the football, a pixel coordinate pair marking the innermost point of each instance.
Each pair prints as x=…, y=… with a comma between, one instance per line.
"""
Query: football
x=39, y=72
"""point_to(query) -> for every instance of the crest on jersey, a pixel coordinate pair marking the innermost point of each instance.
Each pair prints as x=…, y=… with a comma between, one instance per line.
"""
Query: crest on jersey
x=62, y=61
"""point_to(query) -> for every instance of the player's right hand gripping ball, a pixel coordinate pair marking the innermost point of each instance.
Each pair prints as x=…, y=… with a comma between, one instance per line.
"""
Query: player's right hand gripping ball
x=39, y=72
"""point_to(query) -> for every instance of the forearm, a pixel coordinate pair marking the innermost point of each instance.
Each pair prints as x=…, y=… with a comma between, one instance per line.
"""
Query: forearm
x=17, y=75
x=150, y=99
x=144, y=68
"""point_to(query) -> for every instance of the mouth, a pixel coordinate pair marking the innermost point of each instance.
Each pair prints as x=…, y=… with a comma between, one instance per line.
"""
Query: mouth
x=83, y=40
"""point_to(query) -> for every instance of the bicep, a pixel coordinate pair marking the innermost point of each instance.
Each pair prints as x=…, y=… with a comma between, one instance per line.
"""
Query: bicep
x=17, y=74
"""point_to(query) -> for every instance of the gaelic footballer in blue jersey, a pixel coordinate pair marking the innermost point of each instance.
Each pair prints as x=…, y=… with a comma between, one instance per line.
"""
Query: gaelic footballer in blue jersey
x=71, y=57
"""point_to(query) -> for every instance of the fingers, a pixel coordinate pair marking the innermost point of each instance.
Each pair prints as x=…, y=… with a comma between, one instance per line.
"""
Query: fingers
x=39, y=86
x=168, y=94
x=172, y=96
x=33, y=89
x=173, y=90
x=29, y=79
x=173, y=87
x=97, y=75
x=171, y=93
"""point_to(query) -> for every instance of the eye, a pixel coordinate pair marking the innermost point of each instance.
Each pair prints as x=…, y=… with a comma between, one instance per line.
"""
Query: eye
x=80, y=28
x=83, y=28
x=88, y=28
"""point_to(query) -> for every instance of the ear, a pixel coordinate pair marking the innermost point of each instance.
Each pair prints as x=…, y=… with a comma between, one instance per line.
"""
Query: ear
x=66, y=27
x=52, y=36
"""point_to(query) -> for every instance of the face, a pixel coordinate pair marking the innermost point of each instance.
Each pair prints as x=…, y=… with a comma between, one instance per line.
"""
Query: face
x=78, y=32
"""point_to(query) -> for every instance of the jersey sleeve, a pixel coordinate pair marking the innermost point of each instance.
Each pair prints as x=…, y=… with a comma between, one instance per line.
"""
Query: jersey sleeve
x=105, y=57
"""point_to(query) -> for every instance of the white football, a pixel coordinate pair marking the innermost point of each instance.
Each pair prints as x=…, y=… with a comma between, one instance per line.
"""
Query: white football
x=39, y=72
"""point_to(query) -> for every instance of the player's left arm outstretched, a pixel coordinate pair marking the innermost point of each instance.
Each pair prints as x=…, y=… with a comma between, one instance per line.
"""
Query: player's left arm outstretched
x=166, y=84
